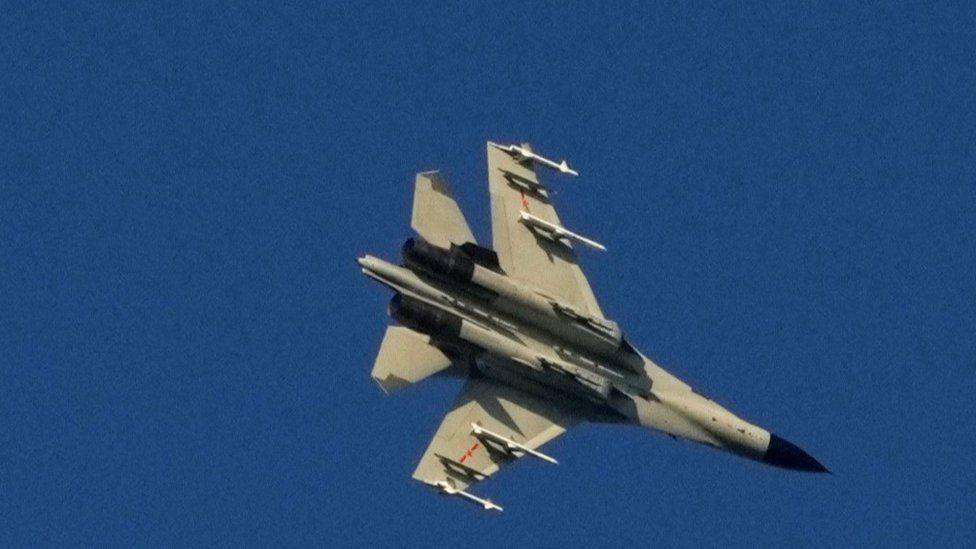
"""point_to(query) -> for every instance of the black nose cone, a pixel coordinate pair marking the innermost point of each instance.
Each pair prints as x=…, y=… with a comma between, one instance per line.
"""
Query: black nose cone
x=785, y=454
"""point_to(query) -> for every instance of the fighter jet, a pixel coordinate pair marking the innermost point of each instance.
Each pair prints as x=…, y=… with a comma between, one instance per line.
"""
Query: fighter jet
x=520, y=324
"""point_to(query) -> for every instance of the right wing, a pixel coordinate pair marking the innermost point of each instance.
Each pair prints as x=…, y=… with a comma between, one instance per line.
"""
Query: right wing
x=526, y=252
x=470, y=444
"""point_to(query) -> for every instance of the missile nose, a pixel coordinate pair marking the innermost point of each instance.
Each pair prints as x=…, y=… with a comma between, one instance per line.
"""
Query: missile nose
x=785, y=454
x=363, y=261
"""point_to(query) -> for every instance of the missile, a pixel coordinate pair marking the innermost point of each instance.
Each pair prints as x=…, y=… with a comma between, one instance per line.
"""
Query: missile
x=510, y=445
x=452, y=491
x=557, y=231
x=522, y=154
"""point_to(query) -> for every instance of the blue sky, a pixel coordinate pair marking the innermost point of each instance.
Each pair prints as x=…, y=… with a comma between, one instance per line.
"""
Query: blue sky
x=786, y=191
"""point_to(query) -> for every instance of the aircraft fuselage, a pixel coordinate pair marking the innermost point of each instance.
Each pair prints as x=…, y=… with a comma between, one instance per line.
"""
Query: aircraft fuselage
x=526, y=339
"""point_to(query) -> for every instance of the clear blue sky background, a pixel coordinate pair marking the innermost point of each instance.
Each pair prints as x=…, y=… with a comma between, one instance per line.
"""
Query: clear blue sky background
x=787, y=194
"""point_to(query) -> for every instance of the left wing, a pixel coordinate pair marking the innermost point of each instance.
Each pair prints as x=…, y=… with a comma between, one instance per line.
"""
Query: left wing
x=489, y=425
x=531, y=243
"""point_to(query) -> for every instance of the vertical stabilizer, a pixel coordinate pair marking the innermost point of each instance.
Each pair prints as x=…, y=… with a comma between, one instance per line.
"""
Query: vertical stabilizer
x=436, y=216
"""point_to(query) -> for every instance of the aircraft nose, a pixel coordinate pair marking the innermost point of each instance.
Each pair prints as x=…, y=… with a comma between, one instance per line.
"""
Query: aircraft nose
x=785, y=454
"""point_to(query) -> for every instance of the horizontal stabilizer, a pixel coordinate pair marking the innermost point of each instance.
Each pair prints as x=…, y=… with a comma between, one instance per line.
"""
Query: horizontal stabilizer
x=405, y=358
x=436, y=216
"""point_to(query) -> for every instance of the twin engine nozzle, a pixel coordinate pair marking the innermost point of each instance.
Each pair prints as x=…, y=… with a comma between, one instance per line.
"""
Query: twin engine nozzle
x=453, y=264
x=476, y=269
x=422, y=317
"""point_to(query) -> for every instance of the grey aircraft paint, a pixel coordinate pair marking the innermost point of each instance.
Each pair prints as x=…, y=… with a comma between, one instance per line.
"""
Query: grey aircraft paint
x=521, y=325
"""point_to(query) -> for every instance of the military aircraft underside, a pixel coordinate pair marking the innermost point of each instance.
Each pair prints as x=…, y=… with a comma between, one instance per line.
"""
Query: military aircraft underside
x=521, y=325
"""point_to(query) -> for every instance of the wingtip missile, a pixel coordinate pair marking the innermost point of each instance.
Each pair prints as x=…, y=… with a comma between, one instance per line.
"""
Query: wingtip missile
x=523, y=154
x=449, y=490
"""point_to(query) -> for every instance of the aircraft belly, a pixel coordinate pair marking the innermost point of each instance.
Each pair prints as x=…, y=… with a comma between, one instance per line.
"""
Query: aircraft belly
x=691, y=416
x=544, y=384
